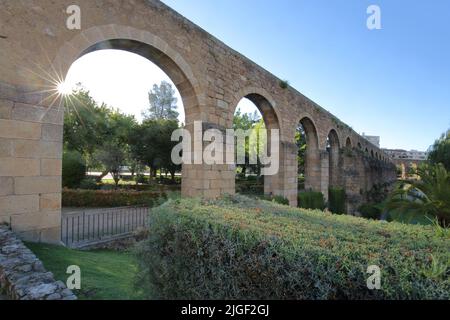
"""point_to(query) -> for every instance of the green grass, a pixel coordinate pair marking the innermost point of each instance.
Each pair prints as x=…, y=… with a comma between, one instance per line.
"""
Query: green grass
x=105, y=274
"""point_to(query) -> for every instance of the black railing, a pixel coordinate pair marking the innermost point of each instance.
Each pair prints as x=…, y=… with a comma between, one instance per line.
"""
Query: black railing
x=82, y=228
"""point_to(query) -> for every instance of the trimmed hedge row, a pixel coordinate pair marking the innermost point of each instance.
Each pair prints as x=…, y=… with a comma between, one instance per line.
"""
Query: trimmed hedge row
x=241, y=248
x=336, y=200
x=110, y=198
x=311, y=200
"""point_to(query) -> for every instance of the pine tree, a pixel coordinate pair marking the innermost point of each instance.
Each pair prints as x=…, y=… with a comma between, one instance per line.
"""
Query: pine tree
x=163, y=103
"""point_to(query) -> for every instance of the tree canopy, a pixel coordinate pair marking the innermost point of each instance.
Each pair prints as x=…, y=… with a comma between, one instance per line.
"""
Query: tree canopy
x=163, y=103
x=440, y=151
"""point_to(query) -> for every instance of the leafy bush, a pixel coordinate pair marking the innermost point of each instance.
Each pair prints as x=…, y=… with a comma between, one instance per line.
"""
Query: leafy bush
x=428, y=196
x=240, y=248
x=276, y=199
x=336, y=200
x=89, y=183
x=311, y=200
x=370, y=211
x=250, y=186
x=109, y=198
x=73, y=169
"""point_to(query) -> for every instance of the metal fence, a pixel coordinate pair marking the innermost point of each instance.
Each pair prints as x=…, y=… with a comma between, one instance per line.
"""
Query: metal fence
x=82, y=228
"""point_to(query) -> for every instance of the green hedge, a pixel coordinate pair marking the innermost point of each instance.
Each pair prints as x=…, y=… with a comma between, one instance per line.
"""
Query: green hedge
x=311, y=200
x=73, y=169
x=370, y=211
x=277, y=199
x=336, y=200
x=110, y=198
x=241, y=248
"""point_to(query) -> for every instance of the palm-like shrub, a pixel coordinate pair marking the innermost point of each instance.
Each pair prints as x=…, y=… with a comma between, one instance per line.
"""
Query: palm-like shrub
x=428, y=196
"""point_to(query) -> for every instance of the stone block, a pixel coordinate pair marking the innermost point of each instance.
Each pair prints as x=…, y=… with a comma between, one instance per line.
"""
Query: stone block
x=13, y=204
x=6, y=186
x=36, y=185
x=37, y=149
x=6, y=149
x=50, y=201
x=6, y=109
x=52, y=132
x=18, y=167
x=19, y=129
x=28, y=112
x=36, y=221
x=51, y=167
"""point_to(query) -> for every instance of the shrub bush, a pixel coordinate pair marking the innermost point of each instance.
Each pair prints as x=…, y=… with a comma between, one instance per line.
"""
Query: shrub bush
x=110, y=198
x=239, y=248
x=370, y=211
x=89, y=183
x=73, y=169
x=276, y=199
x=311, y=200
x=336, y=200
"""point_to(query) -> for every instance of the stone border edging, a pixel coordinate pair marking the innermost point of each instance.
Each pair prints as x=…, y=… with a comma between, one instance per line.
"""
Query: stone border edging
x=22, y=274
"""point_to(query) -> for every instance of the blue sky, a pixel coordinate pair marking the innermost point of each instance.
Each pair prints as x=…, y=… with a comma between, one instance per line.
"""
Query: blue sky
x=393, y=82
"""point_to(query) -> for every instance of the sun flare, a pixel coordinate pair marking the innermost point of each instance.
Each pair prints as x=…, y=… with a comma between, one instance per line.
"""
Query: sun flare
x=64, y=88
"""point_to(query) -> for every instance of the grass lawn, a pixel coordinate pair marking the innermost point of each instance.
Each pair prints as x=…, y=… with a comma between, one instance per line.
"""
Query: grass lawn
x=105, y=274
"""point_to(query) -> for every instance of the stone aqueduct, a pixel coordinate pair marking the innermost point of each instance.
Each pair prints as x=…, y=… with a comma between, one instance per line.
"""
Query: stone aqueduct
x=36, y=51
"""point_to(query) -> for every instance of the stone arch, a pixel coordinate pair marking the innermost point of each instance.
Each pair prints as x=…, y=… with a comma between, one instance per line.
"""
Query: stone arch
x=333, y=154
x=143, y=43
x=265, y=104
x=263, y=101
x=359, y=146
x=312, y=157
x=348, y=143
x=371, y=153
x=157, y=51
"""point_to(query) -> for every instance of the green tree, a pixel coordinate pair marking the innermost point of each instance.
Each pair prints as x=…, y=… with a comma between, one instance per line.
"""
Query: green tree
x=73, y=168
x=440, y=151
x=100, y=133
x=246, y=121
x=112, y=156
x=428, y=196
x=163, y=103
x=85, y=123
x=300, y=141
x=151, y=144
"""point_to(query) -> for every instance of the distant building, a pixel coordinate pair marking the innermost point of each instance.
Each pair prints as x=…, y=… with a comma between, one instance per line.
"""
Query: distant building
x=375, y=140
x=407, y=155
x=406, y=161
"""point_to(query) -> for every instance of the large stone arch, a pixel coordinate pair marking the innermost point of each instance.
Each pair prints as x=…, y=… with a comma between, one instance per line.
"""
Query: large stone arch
x=312, y=157
x=140, y=42
x=266, y=106
x=263, y=100
x=333, y=154
x=348, y=143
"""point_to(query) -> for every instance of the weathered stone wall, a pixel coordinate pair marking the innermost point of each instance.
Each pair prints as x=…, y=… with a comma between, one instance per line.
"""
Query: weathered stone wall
x=22, y=274
x=36, y=51
x=359, y=174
